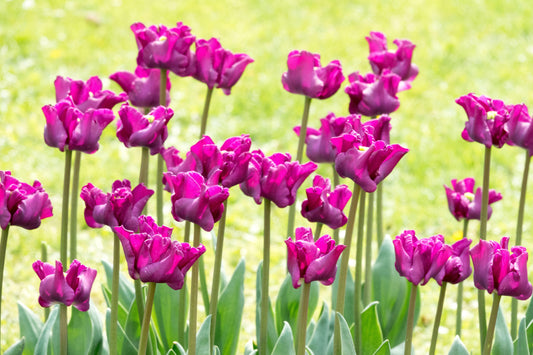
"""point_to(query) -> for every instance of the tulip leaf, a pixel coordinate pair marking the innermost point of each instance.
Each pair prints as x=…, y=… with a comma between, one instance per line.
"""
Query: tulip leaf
x=249, y=348
x=122, y=311
x=176, y=349
x=203, y=338
x=349, y=310
x=458, y=348
x=30, y=328
x=123, y=343
x=529, y=332
x=229, y=312
x=347, y=346
x=46, y=344
x=371, y=336
x=529, y=312
x=503, y=344
x=165, y=313
x=520, y=345
x=272, y=335
x=126, y=291
x=132, y=328
x=16, y=349
x=319, y=339
x=384, y=348
x=80, y=333
x=285, y=343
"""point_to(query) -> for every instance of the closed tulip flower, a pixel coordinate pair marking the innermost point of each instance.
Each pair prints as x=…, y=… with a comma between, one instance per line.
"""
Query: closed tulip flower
x=142, y=86
x=464, y=203
x=520, y=128
x=457, y=268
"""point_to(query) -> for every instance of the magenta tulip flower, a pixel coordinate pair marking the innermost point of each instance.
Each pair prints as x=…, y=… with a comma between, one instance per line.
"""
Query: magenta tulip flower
x=381, y=128
x=205, y=158
x=487, y=120
x=171, y=157
x=306, y=76
x=22, y=204
x=276, y=178
x=520, y=128
x=74, y=288
x=216, y=66
x=120, y=207
x=165, y=48
x=497, y=269
x=373, y=95
x=142, y=86
x=137, y=130
x=398, y=62
x=462, y=201
x=457, y=268
x=87, y=95
x=68, y=127
x=152, y=255
x=309, y=261
x=325, y=206
x=195, y=201
x=235, y=160
x=419, y=260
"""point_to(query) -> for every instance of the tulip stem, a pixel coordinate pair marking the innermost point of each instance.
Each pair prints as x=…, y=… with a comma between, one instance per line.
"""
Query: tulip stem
x=183, y=293
x=492, y=324
x=159, y=176
x=379, y=214
x=438, y=316
x=519, y=226
x=318, y=230
x=3, y=247
x=368, y=250
x=63, y=330
x=265, y=280
x=205, y=112
x=143, y=173
x=358, y=273
x=74, y=205
x=302, y=319
x=410, y=320
x=459, y=313
x=143, y=342
x=336, y=183
x=343, y=270
x=194, y=295
x=44, y=258
x=113, y=329
x=64, y=209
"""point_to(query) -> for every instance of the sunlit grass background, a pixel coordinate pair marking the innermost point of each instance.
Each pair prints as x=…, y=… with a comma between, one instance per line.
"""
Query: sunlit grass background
x=484, y=47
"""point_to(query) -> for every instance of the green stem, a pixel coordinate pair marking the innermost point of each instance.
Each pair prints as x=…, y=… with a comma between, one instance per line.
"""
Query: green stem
x=74, y=206
x=183, y=294
x=64, y=209
x=44, y=258
x=145, y=334
x=159, y=176
x=358, y=273
x=318, y=230
x=343, y=270
x=63, y=330
x=113, y=329
x=216, y=272
x=336, y=182
x=139, y=299
x=302, y=319
x=438, y=316
x=3, y=247
x=379, y=214
x=410, y=320
x=368, y=250
x=205, y=113
x=145, y=159
x=492, y=324
x=459, y=313
x=265, y=280
x=194, y=296
x=203, y=285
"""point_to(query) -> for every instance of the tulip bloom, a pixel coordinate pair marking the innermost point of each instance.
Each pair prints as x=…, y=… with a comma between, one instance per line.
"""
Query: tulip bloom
x=398, y=62
x=380, y=128
x=306, y=76
x=216, y=66
x=165, y=48
x=204, y=157
x=142, y=86
x=152, y=255
x=520, y=128
x=276, y=178
x=309, y=261
x=419, y=260
x=325, y=206
x=373, y=95
x=497, y=269
x=137, y=130
x=74, y=288
x=235, y=160
x=462, y=201
x=457, y=268
x=22, y=204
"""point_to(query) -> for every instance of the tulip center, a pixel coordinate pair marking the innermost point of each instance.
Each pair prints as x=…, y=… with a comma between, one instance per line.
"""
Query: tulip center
x=362, y=148
x=162, y=38
x=470, y=196
x=491, y=115
x=150, y=118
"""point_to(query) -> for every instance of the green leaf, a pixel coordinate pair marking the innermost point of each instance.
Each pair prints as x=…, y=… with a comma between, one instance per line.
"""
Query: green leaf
x=529, y=312
x=529, y=332
x=229, y=312
x=132, y=328
x=203, y=338
x=371, y=336
x=520, y=344
x=503, y=344
x=16, y=349
x=272, y=335
x=122, y=311
x=126, y=291
x=123, y=343
x=347, y=346
x=30, y=328
x=285, y=343
x=165, y=313
x=318, y=341
x=384, y=348
x=458, y=348
x=249, y=348
x=176, y=349
x=46, y=344
x=80, y=333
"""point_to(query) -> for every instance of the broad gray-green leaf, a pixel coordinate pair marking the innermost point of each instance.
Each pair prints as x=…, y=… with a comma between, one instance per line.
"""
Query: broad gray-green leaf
x=285, y=343
x=458, y=348
x=30, y=326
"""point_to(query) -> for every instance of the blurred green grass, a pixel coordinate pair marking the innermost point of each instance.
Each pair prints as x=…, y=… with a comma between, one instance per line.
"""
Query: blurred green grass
x=483, y=47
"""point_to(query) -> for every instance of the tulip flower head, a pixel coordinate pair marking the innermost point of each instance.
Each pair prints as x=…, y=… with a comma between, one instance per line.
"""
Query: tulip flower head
x=520, y=128
x=235, y=160
x=306, y=76
x=457, y=268
x=309, y=260
x=22, y=204
x=142, y=86
x=498, y=269
x=74, y=288
x=152, y=255
x=464, y=203
x=204, y=157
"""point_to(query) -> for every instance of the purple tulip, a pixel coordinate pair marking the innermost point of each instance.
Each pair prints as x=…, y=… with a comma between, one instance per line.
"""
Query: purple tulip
x=325, y=206
x=121, y=207
x=21, y=204
x=276, y=178
x=171, y=157
x=68, y=127
x=74, y=288
x=195, y=201
x=235, y=160
x=462, y=201
x=457, y=268
x=497, y=269
x=165, y=48
x=142, y=86
x=373, y=95
x=137, y=130
x=306, y=76
x=487, y=120
x=420, y=260
x=398, y=62
x=380, y=128
x=86, y=95
x=205, y=158
x=309, y=261
x=152, y=255
x=520, y=128
x=218, y=66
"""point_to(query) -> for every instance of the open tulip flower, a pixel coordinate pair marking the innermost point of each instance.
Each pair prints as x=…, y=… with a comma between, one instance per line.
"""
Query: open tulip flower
x=235, y=160
x=457, y=267
x=464, y=203
x=306, y=76
x=204, y=157
x=520, y=128
x=165, y=48
x=74, y=288
x=22, y=204
x=398, y=62
x=142, y=86
x=309, y=261
x=381, y=128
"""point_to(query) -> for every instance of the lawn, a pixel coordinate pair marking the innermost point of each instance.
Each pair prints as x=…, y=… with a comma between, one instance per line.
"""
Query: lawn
x=484, y=47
